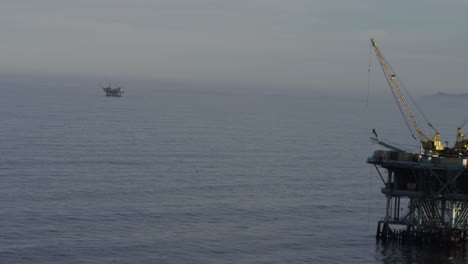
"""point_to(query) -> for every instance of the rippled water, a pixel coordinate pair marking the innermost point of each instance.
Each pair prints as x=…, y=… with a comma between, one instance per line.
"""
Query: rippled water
x=182, y=176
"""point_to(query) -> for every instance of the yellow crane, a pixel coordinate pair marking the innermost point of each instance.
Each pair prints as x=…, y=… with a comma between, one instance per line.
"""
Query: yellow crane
x=461, y=144
x=434, y=144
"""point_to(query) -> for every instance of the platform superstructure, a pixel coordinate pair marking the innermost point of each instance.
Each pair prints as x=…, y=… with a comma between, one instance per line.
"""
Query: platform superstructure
x=427, y=191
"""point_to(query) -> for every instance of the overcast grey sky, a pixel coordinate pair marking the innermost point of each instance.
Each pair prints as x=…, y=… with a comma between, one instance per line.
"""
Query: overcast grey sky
x=316, y=43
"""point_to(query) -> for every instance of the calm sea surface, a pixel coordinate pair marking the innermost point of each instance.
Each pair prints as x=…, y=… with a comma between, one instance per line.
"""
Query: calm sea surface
x=193, y=176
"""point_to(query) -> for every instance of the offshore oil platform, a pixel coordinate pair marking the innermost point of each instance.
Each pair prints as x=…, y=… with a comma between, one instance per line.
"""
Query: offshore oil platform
x=114, y=92
x=426, y=192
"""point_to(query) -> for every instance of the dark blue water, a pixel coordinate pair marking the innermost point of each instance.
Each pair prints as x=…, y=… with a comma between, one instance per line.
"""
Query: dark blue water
x=193, y=176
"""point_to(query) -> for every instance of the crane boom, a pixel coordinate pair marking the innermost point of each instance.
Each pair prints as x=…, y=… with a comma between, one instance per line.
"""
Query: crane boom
x=432, y=144
x=403, y=105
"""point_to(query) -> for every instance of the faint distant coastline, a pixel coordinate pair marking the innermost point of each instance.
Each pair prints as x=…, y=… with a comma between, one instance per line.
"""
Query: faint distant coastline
x=448, y=95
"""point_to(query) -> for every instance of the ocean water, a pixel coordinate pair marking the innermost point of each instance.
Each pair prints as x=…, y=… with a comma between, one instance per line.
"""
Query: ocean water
x=196, y=176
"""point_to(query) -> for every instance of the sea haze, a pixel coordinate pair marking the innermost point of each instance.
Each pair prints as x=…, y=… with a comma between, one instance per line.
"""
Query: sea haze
x=196, y=176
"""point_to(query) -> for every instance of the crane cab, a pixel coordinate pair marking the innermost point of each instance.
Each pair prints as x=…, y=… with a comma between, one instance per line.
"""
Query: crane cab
x=461, y=144
x=434, y=144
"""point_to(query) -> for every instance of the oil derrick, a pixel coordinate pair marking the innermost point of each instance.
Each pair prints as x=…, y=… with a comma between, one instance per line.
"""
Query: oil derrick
x=114, y=92
x=426, y=192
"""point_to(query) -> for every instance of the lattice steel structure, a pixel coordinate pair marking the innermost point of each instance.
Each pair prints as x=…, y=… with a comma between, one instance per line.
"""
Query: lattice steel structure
x=427, y=197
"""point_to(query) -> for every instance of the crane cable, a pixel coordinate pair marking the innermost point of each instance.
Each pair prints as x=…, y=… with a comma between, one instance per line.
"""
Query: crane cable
x=418, y=108
x=369, y=75
x=399, y=97
x=464, y=123
x=407, y=93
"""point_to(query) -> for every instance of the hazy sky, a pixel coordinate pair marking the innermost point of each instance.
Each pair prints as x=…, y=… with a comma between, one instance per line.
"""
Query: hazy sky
x=316, y=43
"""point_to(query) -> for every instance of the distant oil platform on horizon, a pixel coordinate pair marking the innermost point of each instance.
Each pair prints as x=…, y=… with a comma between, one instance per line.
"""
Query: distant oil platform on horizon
x=113, y=92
